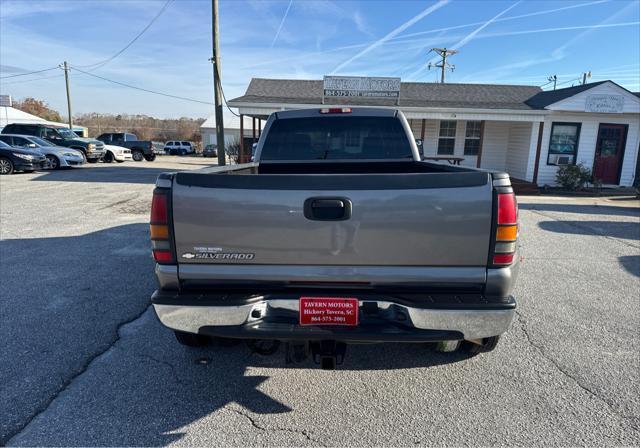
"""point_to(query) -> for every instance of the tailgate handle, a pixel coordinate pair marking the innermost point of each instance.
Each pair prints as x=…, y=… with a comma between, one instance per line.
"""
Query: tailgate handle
x=327, y=209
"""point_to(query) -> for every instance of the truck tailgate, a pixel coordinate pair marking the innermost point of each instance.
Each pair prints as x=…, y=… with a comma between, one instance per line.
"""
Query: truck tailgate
x=411, y=220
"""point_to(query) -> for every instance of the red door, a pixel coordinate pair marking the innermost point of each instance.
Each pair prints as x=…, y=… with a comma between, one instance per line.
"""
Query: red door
x=609, y=150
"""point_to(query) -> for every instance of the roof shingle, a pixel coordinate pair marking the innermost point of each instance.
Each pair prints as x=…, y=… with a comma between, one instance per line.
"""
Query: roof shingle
x=468, y=96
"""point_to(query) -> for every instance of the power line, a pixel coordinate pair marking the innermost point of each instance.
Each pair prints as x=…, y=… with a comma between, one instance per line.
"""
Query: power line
x=34, y=79
x=141, y=89
x=101, y=64
x=30, y=73
x=224, y=97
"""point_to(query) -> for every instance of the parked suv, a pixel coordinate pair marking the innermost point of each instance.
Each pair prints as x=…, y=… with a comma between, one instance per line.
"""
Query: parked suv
x=179, y=148
x=93, y=150
x=140, y=149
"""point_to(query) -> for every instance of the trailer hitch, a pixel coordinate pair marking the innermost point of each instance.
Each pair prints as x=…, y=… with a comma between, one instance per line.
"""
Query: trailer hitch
x=328, y=353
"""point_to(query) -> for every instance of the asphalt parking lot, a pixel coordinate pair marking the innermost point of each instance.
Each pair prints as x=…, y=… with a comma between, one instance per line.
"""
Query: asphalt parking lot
x=85, y=362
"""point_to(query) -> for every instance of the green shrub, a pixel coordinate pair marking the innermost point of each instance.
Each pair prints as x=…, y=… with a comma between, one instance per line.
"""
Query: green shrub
x=573, y=177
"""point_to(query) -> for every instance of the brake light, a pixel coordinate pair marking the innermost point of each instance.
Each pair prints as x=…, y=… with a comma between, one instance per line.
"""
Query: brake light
x=335, y=110
x=507, y=209
x=159, y=209
x=506, y=231
x=159, y=228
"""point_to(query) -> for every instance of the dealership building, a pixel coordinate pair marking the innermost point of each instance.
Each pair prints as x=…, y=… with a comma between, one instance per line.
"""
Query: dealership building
x=522, y=130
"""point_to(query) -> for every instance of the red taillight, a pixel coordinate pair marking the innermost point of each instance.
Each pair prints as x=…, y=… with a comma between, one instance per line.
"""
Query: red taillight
x=159, y=228
x=335, y=110
x=163, y=256
x=507, y=209
x=506, y=235
x=503, y=259
x=159, y=209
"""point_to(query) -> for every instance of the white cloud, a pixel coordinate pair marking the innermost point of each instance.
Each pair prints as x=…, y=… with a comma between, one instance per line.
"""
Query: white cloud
x=392, y=34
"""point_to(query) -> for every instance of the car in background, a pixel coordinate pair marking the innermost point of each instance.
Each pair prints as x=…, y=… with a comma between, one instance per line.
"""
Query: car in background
x=93, y=150
x=140, y=149
x=117, y=154
x=18, y=159
x=210, y=150
x=57, y=156
x=253, y=151
x=179, y=148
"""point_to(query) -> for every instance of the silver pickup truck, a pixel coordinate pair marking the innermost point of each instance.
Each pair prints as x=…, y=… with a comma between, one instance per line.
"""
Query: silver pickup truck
x=337, y=233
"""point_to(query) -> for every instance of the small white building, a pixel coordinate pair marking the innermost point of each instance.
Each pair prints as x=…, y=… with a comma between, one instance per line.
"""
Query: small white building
x=522, y=130
x=9, y=114
x=231, y=130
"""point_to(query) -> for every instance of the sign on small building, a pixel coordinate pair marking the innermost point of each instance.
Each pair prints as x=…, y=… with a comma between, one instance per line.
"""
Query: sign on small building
x=610, y=104
x=361, y=86
x=5, y=101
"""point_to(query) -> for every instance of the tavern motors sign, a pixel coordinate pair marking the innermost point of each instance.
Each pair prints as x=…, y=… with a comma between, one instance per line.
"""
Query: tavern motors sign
x=361, y=86
x=604, y=104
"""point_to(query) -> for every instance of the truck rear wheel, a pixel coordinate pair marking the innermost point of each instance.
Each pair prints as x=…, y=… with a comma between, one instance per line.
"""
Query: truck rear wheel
x=108, y=157
x=150, y=157
x=137, y=155
x=191, y=339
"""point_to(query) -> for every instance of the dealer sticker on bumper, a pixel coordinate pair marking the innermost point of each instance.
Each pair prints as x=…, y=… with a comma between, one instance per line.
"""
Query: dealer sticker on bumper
x=328, y=311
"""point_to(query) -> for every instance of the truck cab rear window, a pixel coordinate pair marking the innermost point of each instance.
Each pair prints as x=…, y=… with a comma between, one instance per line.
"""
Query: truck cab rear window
x=336, y=138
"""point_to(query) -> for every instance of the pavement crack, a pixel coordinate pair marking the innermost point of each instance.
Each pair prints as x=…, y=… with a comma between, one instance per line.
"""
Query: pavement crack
x=124, y=201
x=172, y=368
x=523, y=325
x=67, y=383
x=259, y=427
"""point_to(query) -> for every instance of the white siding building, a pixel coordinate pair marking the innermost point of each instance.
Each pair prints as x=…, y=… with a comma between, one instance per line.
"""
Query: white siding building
x=522, y=130
x=231, y=130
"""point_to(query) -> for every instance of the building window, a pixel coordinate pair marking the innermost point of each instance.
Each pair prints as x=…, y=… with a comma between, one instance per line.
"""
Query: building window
x=472, y=138
x=563, y=144
x=447, y=137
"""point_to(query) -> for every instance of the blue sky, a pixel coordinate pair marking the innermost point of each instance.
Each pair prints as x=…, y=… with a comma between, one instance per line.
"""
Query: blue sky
x=506, y=42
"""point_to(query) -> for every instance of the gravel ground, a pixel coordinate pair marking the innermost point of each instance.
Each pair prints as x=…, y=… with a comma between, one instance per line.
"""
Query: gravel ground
x=85, y=362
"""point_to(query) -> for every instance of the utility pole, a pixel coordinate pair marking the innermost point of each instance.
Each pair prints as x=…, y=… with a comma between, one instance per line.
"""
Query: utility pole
x=66, y=79
x=585, y=75
x=217, y=86
x=554, y=80
x=443, y=53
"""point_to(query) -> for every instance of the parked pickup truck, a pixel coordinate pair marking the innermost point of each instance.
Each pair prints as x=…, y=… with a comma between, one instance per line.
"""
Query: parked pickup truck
x=337, y=233
x=140, y=149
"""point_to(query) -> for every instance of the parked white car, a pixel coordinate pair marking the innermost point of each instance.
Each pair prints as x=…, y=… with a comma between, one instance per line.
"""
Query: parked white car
x=57, y=156
x=117, y=153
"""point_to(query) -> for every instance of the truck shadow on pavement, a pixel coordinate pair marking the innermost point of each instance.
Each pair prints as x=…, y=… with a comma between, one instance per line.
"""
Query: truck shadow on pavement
x=88, y=357
x=148, y=390
x=631, y=263
x=63, y=299
x=107, y=173
x=584, y=209
x=614, y=229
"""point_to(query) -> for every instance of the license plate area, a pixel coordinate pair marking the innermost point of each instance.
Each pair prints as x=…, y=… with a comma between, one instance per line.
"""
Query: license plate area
x=329, y=311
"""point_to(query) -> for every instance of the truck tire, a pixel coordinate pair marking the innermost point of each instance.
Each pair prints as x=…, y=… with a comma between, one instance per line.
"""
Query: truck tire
x=488, y=344
x=191, y=339
x=150, y=157
x=108, y=157
x=92, y=160
x=6, y=166
x=137, y=155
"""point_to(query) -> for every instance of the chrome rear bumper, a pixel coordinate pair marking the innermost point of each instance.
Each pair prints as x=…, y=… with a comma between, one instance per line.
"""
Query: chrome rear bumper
x=270, y=316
